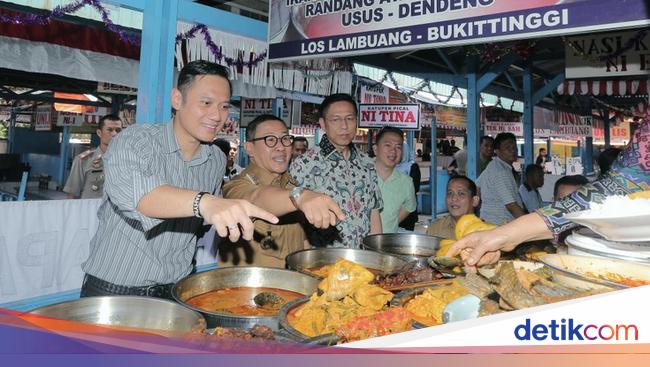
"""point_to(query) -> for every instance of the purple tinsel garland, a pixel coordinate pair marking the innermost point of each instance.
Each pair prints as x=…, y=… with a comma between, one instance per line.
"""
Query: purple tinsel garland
x=131, y=39
x=216, y=50
x=59, y=11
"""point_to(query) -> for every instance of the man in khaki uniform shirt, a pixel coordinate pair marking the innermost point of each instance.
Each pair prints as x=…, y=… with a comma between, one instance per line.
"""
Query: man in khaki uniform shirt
x=86, y=179
x=461, y=198
x=265, y=182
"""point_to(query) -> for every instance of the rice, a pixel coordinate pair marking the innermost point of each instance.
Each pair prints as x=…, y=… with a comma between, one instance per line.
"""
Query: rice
x=618, y=206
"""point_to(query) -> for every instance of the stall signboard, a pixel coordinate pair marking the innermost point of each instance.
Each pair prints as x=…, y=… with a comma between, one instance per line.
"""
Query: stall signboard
x=493, y=128
x=619, y=134
x=580, y=127
x=451, y=117
x=588, y=56
x=253, y=107
x=373, y=93
x=302, y=29
x=103, y=87
x=69, y=119
x=402, y=116
x=43, y=118
x=127, y=116
x=92, y=118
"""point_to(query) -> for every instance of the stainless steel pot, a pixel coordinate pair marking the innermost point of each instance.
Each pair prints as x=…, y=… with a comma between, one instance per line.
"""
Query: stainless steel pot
x=130, y=311
x=411, y=246
x=244, y=276
x=326, y=339
x=313, y=258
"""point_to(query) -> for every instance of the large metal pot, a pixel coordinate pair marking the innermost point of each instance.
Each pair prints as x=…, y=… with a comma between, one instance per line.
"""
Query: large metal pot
x=313, y=258
x=244, y=276
x=130, y=311
x=411, y=246
x=326, y=339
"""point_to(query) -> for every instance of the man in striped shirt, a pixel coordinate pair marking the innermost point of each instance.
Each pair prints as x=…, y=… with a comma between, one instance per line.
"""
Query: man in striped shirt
x=160, y=185
x=500, y=200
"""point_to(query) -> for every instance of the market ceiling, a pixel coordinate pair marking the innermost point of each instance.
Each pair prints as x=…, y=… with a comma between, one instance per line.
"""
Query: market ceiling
x=446, y=65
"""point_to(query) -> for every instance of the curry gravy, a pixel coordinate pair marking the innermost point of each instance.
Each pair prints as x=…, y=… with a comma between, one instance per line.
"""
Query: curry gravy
x=239, y=301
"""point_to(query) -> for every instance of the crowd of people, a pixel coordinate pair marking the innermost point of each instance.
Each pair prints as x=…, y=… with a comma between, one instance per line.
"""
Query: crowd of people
x=162, y=183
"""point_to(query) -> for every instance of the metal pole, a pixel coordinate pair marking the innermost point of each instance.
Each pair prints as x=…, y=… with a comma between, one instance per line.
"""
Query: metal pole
x=12, y=128
x=529, y=145
x=410, y=136
x=63, y=160
x=473, y=116
x=433, y=171
x=606, y=126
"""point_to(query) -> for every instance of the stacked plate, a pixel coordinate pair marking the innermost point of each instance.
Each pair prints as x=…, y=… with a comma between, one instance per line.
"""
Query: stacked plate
x=585, y=242
x=616, y=228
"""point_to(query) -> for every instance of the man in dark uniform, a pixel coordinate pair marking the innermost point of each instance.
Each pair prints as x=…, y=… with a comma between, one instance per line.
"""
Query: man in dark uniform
x=86, y=179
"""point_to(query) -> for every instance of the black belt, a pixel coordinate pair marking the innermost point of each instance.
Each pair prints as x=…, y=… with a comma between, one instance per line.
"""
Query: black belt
x=156, y=290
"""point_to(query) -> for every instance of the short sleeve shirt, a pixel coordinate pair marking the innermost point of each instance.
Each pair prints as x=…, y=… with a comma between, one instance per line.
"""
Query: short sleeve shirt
x=443, y=227
x=531, y=199
x=86, y=179
x=129, y=248
x=397, y=193
x=271, y=243
x=498, y=188
x=352, y=183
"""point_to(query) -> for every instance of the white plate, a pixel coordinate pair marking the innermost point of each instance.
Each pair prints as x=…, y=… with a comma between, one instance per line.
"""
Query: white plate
x=631, y=228
x=591, y=272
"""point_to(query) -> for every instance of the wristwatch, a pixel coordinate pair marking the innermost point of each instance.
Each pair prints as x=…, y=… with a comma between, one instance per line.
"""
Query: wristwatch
x=295, y=194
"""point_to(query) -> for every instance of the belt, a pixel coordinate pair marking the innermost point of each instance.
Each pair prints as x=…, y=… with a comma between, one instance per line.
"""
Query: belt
x=155, y=290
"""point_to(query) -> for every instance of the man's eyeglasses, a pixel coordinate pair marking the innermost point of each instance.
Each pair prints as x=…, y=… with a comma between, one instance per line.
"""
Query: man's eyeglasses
x=338, y=120
x=271, y=140
x=111, y=129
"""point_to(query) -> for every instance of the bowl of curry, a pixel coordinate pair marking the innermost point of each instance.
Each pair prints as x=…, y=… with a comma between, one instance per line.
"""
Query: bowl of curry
x=226, y=296
x=318, y=262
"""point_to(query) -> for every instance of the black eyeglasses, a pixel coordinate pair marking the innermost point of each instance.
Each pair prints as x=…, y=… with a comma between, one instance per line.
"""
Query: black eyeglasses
x=271, y=141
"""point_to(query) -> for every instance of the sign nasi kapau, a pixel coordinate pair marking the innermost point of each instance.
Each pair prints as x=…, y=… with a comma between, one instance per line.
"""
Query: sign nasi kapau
x=308, y=28
x=403, y=116
x=583, y=53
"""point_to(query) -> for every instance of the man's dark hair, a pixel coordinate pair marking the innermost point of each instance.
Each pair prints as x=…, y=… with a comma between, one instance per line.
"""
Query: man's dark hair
x=252, y=126
x=501, y=137
x=302, y=139
x=197, y=68
x=109, y=117
x=575, y=180
x=606, y=158
x=470, y=184
x=531, y=168
x=338, y=97
x=223, y=145
x=486, y=137
x=388, y=130
x=541, y=149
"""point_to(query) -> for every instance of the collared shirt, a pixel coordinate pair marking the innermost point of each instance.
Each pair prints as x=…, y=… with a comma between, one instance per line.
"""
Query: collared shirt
x=498, y=188
x=352, y=183
x=531, y=198
x=271, y=242
x=397, y=193
x=443, y=227
x=86, y=179
x=130, y=248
